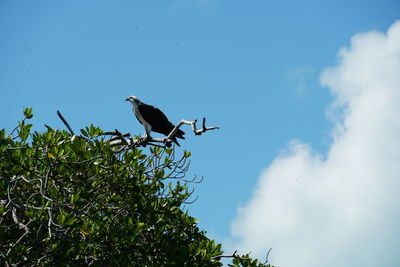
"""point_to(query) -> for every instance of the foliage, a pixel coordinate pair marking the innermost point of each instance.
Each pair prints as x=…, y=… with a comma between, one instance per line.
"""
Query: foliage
x=74, y=200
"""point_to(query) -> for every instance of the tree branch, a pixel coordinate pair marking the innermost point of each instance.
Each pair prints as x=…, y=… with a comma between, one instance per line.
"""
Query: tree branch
x=65, y=122
x=266, y=258
x=116, y=132
x=234, y=255
x=121, y=137
x=21, y=226
x=204, y=128
x=120, y=140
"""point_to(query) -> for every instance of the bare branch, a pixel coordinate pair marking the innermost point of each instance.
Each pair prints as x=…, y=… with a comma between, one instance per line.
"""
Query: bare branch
x=65, y=122
x=204, y=128
x=49, y=222
x=115, y=133
x=119, y=140
x=194, y=128
x=21, y=225
x=116, y=137
x=266, y=258
x=121, y=137
x=172, y=133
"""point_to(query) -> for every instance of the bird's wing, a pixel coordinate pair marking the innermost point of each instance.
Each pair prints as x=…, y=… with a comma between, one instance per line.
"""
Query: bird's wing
x=137, y=118
x=156, y=118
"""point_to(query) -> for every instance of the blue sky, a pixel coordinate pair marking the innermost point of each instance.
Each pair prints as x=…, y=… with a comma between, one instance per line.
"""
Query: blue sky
x=252, y=68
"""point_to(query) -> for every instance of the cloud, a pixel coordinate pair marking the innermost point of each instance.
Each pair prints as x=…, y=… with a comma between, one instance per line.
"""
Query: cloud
x=342, y=208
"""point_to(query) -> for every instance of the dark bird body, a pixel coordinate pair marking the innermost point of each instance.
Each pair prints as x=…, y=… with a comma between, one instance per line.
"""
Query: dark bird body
x=154, y=119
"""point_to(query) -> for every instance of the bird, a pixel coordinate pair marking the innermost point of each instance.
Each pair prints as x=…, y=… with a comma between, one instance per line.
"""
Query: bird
x=153, y=119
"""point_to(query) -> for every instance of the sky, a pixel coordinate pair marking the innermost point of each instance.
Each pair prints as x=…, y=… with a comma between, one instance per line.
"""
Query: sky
x=306, y=93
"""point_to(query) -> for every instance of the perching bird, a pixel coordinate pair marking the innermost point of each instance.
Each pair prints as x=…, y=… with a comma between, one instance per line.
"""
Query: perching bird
x=153, y=119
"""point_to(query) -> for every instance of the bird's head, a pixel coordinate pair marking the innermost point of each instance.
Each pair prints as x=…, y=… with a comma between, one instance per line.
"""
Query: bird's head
x=133, y=99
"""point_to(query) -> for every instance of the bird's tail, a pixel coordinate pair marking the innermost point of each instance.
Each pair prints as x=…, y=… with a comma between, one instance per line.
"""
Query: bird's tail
x=180, y=134
x=175, y=141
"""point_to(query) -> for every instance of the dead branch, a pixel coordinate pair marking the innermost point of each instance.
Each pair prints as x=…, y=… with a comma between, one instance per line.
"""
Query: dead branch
x=117, y=135
x=65, y=122
x=193, y=124
x=124, y=140
x=204, y=128
x=121, y=137
x=266, y=258
x=119, y=140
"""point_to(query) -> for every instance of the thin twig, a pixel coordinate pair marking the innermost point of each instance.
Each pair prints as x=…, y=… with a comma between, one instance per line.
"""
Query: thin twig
x=266, y=259
x=234, y=255
x=114, y=133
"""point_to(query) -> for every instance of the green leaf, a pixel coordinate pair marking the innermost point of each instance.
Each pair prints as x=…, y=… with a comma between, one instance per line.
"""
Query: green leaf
x=28, y=113
x=2, y=134
x=69, y=221
x=24, y=130
x=84, y=133
x=159, y=173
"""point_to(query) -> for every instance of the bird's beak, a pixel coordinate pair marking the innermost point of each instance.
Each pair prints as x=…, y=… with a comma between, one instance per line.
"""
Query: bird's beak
x=127, y=99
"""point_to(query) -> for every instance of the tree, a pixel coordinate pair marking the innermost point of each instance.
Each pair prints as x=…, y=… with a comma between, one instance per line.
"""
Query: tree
x=76, y=200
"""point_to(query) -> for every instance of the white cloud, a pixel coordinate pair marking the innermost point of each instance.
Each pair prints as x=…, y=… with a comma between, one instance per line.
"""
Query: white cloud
x=341, y=209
